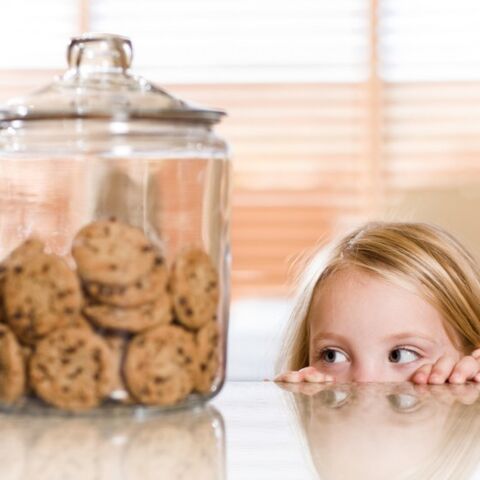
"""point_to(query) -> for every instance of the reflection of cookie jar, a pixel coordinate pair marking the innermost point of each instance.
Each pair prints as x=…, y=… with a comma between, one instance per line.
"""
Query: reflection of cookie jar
x=114, y=251
x=183, y=445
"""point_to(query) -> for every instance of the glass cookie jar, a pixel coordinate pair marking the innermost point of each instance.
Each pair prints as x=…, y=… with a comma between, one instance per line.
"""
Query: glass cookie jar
x=114, y=241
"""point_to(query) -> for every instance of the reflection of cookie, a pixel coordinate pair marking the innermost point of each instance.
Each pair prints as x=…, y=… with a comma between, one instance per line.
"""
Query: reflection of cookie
x=161, y=446
x=131, y=319
x=208, y=345
x=113, y=253
x=66, y=449
x=14, y=435
x=40, y=294
x=194, y=285
x=160, y=364
x=72, y=369
x=12, y=367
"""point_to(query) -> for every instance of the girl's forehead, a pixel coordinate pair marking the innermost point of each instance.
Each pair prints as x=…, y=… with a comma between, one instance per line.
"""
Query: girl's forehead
x=353, y=301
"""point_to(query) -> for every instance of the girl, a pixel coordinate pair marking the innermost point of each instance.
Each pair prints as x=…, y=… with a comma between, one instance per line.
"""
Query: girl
x=390, y=302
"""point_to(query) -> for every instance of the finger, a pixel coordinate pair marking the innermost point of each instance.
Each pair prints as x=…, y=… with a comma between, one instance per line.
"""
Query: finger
x=312, y=375
x=421, y=375
x=441, y=370
x=476, y=354
x=290, y=377
x=464, y=370
x=304, y=388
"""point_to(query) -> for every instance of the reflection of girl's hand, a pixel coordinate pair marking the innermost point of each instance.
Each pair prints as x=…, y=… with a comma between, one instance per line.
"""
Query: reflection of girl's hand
x=307, y=374
x=447, y=369
x=466, y=393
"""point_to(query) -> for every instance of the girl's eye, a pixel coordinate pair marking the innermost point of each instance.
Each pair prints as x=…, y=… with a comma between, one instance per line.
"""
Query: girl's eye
x=329, y=355
x=402, y=355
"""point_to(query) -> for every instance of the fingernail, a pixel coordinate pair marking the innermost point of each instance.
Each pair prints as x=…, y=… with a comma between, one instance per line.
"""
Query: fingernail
x=328, y=378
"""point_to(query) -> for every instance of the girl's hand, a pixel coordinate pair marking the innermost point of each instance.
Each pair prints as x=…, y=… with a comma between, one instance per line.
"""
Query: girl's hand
x=447, y=369
x=307, y=374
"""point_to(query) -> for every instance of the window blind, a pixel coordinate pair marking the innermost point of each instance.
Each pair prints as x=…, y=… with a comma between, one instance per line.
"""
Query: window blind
x=336, y=109
x=430, y=65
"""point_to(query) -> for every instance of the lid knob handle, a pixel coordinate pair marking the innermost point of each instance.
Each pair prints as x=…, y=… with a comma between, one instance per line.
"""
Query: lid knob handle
x=99, y=52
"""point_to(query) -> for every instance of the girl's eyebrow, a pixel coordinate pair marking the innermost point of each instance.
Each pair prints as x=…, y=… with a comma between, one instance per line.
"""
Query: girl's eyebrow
x=410, y=336
x=330, y=335
x=395, y=337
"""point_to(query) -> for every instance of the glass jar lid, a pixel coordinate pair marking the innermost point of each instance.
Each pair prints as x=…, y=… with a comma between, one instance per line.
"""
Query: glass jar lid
x=98, y=83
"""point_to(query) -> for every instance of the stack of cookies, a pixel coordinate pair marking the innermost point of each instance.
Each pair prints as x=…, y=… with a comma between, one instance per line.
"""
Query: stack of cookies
x=122, y=326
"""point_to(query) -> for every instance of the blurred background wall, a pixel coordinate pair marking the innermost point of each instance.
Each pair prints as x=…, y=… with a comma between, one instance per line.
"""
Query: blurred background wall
x=339, y=111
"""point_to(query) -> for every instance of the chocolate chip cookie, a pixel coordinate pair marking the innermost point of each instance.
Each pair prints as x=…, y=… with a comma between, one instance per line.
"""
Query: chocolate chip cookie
x=131, y=319
x=41, y=294
x=208, y=345
x=194, y=285
x=12, y=367
x=28, y=248
x=145, y=290
x=112, y=253
x=72, y=368
x=160, y=365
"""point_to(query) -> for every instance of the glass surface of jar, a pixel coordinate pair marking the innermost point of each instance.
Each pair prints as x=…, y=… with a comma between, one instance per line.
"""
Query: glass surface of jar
x=114, y=227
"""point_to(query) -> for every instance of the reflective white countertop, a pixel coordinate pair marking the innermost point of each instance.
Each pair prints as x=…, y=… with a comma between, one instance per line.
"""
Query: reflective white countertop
x=259, y=430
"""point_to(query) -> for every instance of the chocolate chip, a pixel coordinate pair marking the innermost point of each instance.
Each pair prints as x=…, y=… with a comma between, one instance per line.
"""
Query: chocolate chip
x=203, y=367
x=106, y=291
x=18, y=269
x=147, y=248
x=113, y=266
x=159, y=261
x=159, y=380
x=188, y=312
x=106, y=230
x=182, y=301
x=97, y=355
x=75, y=373
x=68, y=311
x=45, y=268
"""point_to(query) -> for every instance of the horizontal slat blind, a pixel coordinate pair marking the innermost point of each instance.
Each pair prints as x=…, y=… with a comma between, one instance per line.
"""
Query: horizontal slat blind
x=33, y=34
x=242, y=41
x=431, y=66
x=313, y=110
x=299, y=171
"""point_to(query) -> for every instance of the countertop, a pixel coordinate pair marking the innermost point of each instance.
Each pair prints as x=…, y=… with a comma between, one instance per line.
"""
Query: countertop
x=261, y=430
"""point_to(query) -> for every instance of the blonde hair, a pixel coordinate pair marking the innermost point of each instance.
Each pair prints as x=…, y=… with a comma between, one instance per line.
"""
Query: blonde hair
x=417, y=256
